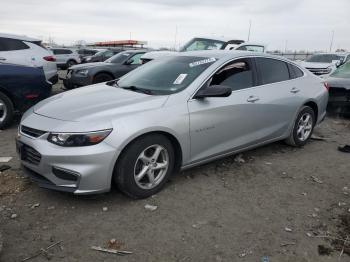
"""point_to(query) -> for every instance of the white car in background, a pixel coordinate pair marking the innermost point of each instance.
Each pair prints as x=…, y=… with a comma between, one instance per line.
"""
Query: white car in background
x=23, y=50
x=66, y=57
x=208, y=43
x=323, y=64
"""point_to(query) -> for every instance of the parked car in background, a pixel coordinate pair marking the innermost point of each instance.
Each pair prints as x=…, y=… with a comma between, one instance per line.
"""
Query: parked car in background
x=23, y=50
x=102, y=55
x=66, y=57
x=172, y=113
x=20, y=87
x=339, y=89
x=85, y=52
x=324, y=64
x=208, y=43
x=92, y=73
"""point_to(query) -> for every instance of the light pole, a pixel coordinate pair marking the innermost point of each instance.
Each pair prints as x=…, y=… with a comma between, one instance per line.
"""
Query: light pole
x=330, y=48
x=250, y=26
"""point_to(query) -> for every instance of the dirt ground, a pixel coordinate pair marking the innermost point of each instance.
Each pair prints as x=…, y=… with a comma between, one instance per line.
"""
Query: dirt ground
x=278, y=205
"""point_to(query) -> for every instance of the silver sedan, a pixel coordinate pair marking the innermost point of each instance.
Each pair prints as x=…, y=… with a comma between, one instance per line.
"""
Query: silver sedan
x=170, y=114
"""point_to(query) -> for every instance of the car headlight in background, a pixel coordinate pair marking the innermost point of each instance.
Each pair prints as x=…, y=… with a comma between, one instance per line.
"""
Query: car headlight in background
x=78, y=139
x=82, y=72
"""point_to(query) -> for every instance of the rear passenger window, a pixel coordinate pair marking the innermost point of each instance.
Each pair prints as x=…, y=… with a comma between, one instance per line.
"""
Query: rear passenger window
x=237, y=75
x=8, y=44
x=61, y=51
x=272, y=70
x=295, y=72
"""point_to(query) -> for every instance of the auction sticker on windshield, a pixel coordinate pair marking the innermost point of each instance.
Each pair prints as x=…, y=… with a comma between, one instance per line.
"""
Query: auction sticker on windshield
x=202, y=62
x=180, y=79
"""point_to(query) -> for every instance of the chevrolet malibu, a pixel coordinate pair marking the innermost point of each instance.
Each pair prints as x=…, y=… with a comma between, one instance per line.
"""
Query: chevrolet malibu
x=171, y=114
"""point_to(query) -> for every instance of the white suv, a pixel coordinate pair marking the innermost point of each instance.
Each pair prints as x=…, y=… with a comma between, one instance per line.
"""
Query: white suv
x=66, y=57
x=23, y=50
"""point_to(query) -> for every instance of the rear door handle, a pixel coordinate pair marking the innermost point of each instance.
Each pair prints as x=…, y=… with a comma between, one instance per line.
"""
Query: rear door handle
x=295, y=90
x=253, y=99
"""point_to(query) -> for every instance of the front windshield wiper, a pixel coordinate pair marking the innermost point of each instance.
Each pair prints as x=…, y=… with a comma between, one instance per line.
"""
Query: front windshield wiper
x=138, y=89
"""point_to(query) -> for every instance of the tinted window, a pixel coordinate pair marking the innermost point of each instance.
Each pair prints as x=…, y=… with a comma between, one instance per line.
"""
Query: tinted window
x=61, y=51
x=237, y=75
x=7, y=44
x=252, y=48
x=272, y=70
x=119, y=58
x=136, y=59
x=295, y=71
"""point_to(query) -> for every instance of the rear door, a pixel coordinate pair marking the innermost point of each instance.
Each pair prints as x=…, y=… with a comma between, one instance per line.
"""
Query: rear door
x=280, y=95
x=223, y=124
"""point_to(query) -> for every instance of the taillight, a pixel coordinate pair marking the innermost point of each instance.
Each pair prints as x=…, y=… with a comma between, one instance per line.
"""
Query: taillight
x=326, y=85
x=49, y=58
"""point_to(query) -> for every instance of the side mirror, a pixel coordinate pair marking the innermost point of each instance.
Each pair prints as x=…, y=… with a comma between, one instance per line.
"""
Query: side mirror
x=214, y=91
x=129, y=62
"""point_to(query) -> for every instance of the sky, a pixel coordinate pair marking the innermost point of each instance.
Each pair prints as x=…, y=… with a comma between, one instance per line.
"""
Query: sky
x=280, y=24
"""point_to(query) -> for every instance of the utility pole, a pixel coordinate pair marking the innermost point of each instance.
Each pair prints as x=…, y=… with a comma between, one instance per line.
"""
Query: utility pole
x=330, y=48
x=250, y=26
x=285, y=46
x=175, y=38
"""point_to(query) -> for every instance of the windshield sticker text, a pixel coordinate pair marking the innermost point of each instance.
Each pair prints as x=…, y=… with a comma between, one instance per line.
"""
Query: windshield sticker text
x=202, y=62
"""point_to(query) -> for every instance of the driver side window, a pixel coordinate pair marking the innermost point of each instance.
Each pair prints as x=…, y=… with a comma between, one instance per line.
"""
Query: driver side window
x=136, y=59
x=237, y=75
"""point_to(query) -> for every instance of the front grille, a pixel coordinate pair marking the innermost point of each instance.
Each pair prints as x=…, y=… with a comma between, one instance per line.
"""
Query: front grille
x=319, y=71
x=340, y=94
x=30, y=155
x=31, y=131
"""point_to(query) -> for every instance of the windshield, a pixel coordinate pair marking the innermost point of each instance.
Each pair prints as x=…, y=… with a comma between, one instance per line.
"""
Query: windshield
x=202, y=44
x=168, y=75
x=324, y=58
x=342, y=72
x=118, y=58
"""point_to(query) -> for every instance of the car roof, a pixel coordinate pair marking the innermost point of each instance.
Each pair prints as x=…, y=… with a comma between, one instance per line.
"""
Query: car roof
x=228, y=54
x=134, y=51
x=19, y=37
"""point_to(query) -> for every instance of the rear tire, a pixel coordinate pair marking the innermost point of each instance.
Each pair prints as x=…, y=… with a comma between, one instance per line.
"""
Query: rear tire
x=145, y=166
x=102, y=77
x=303, y=127
x=6, y=111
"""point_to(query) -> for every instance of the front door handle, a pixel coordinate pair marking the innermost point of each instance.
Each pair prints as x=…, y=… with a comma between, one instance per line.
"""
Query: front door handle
x=253, y=99
x=2, y=58
x=295, y=90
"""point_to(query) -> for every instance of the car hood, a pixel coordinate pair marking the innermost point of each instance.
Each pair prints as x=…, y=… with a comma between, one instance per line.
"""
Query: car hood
x=339, y=82
x=89, y=65
x=97, y=102
x=315, y=65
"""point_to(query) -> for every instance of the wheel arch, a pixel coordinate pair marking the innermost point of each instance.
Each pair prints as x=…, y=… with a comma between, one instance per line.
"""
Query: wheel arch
x=172, y=138
x=314, y=107
x=10, y=96
x=104, y=72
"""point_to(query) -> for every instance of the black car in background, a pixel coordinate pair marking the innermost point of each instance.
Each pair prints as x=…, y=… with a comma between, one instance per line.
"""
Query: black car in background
x=20, y=88
x=101, y=55
x=339, y=90
x=114, y=67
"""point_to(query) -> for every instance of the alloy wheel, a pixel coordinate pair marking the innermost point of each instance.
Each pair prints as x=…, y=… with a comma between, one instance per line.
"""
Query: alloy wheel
x=151, y=167
x=3, y=111
x=304, y=127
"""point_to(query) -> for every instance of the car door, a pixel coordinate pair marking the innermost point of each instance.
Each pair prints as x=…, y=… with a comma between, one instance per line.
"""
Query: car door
x=223, y=124
x=280, y=94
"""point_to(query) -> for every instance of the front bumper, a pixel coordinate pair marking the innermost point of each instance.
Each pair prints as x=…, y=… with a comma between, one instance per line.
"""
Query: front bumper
x=73, y=80
x=81, y=170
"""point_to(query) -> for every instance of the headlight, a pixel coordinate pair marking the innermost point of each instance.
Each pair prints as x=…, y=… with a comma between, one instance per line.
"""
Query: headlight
x=87, y=58
x=82, y=72
x=78, y=139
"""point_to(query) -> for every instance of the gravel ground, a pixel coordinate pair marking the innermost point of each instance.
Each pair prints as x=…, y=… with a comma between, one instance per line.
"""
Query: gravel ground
x=274, y=204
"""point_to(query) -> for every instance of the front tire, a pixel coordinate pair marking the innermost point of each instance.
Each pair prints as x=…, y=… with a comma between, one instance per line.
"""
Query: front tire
x=303, y=127
x=102, y=77
x=145, y=166
x=6, y=111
